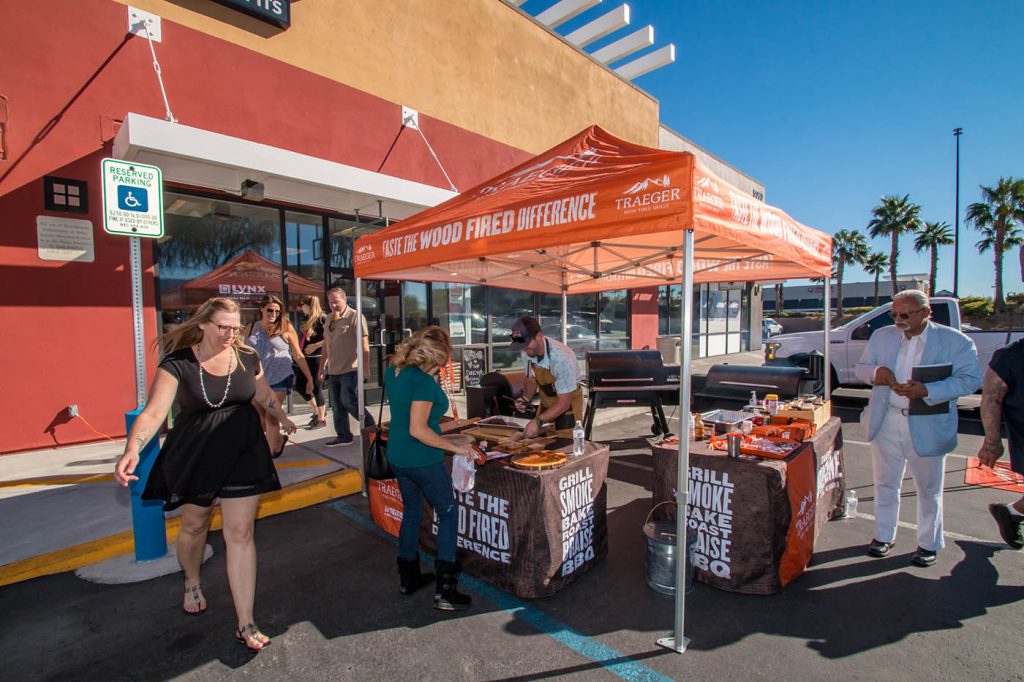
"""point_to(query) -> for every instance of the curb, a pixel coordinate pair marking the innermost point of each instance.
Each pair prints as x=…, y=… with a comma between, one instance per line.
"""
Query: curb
x=298, y=496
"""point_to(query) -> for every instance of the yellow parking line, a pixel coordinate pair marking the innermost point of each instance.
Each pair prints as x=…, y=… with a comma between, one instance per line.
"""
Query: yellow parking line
x=303, y=463
x=57, y=480
x=305, y=494
x=107, y=478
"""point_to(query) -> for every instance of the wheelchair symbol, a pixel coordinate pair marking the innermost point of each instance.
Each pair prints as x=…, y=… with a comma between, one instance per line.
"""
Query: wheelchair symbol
x=131, y=198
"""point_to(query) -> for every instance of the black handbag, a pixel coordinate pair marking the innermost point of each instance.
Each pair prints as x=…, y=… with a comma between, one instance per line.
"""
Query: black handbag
x=377, y=465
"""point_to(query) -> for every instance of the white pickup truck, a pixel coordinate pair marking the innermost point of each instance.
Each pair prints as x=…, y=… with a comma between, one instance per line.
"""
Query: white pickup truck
x=847, y=342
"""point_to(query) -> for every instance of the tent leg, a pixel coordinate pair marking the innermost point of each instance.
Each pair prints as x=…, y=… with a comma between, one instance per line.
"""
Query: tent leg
x=565, y=311
x=827, y=361
x=360, y=361
x=677, y=642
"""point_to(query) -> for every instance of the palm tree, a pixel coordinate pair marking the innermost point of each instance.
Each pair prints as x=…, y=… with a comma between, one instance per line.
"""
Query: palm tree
x=997, y=216
x=875, y=264
x=892, y=217
x=932, y=236
x=847, y=247
x=780, y=302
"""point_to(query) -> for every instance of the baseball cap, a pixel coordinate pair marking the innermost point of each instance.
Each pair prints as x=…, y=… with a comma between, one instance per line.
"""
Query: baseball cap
x=523, y=331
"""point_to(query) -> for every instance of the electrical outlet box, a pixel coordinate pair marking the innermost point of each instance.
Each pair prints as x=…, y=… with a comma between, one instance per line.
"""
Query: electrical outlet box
x=142, y=23
x=72, y=410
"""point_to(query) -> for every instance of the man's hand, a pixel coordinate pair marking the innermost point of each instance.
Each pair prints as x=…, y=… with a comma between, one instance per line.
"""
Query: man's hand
x=989, y=453
x=532, y=429
x=914, y=390
x=885, y=377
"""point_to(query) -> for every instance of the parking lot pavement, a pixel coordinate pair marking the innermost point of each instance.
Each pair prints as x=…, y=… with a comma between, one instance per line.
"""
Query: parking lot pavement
x=328, y=596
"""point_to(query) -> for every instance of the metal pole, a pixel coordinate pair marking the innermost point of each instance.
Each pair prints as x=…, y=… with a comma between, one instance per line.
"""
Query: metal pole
x=148, y=529
x=359, y=376
x=957, y=132
x=827, y=369
x=565, y=311
x=677, y=642
x=135, y=260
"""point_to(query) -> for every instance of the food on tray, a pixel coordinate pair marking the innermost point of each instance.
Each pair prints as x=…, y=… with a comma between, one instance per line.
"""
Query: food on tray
x=775, y=447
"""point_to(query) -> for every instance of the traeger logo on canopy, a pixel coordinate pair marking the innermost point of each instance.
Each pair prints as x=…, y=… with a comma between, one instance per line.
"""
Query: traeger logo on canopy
x=705, y=191
x=647, y=195
x=276, y=12
x=364, y=253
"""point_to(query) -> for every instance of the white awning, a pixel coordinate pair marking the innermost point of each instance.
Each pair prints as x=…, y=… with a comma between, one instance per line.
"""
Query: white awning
x=202, y=158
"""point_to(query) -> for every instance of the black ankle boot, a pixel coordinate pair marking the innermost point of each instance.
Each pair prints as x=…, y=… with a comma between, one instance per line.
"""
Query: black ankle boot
x=410, y=576
x=446, y=596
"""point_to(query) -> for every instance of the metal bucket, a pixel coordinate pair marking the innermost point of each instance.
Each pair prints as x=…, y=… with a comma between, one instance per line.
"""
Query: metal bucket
x=660, y=542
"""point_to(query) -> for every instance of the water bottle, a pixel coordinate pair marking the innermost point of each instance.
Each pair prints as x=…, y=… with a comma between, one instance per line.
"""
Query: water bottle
x=850, y=510
x=693, y=428
x=577, y=438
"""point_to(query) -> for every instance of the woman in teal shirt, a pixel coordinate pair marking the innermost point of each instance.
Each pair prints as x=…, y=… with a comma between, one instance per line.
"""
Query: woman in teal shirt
x=416, y=453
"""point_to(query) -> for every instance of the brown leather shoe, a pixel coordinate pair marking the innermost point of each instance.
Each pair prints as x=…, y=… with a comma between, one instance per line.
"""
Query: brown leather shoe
x=1010, y=526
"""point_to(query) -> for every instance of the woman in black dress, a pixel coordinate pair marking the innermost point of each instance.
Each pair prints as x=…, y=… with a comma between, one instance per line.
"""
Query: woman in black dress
x=216, y=449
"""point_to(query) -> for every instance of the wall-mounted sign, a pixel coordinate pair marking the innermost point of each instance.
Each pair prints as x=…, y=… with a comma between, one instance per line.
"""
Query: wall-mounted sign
x=276, y=12
x=133, y=199
x=65, y=239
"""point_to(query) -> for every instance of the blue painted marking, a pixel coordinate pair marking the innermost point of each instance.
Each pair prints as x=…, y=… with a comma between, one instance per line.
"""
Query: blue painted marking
x=613, y=661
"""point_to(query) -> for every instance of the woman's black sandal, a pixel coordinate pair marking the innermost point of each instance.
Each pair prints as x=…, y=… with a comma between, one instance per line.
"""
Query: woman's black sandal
x=284, y=442
x=197, y=597
x=253, y=632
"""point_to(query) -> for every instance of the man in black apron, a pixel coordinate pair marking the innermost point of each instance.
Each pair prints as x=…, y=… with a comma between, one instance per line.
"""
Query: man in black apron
x=552, y=368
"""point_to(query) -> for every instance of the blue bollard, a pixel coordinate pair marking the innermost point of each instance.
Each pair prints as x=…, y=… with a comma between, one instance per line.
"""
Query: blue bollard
x=148, y=525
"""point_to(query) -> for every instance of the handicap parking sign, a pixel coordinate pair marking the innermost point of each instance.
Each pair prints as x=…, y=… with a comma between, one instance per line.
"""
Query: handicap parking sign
x=132, y=198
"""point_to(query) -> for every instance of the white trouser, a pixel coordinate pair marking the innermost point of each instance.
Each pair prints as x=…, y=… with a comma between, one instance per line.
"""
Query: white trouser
x=891, y=451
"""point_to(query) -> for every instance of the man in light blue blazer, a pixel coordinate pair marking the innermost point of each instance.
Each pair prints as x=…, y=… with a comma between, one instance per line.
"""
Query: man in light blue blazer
x=921, y=441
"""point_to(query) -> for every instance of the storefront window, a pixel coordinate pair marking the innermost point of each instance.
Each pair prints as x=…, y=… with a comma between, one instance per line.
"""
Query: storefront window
x=213, y=247
x=507, y=305
x=613, y=319
x=304, y=265
x=461, y=309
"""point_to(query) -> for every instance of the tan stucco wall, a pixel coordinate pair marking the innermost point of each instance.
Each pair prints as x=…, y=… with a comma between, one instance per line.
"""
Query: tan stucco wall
x=476, y=64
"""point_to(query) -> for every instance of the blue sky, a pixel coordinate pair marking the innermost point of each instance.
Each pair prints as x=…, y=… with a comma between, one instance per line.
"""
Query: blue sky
x=832, y=104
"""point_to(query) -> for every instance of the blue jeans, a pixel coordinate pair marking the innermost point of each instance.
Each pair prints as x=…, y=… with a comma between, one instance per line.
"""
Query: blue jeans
x=436, y=483
x=342, y=388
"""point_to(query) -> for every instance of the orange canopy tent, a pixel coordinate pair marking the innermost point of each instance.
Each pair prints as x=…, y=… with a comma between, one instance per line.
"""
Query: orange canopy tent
x=597, y=213
x=592, y=214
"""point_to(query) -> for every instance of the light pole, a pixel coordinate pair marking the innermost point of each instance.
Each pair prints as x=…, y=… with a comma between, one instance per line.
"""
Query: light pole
x=957, y=132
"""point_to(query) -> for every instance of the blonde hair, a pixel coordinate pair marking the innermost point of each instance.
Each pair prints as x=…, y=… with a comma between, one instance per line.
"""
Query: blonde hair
x=316, y=312
x=426, y=349
x=189, y=334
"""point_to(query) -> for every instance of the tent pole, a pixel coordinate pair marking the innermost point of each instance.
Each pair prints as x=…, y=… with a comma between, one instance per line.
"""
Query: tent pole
x=677, y=642
x=360, y=361
x=565, y=310
x=827, y=369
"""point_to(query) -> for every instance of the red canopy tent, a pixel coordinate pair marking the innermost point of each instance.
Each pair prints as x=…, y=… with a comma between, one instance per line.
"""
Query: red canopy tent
x=596, y=213
x=247, y=278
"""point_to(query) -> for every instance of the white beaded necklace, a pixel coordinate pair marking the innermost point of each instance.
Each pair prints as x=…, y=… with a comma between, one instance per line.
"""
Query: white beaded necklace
x=202, y=386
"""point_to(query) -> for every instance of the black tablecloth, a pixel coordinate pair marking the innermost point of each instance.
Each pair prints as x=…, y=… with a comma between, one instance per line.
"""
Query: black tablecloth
x=756, y=520
x=528, y=532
